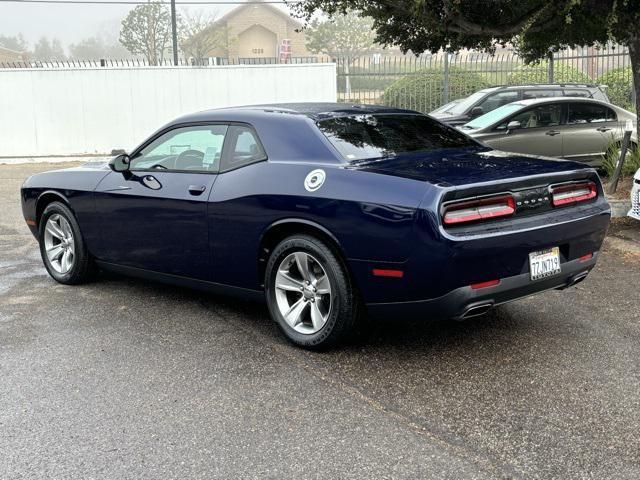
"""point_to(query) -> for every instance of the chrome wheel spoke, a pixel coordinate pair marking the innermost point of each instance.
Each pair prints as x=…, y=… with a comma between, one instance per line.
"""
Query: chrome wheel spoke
x=66, y=228
x=65, y=263
x=54, y=230
x=302, y=261
x=317, y=319
x=54, y=252
x=285, y=282
x=322, y=285
x=294, y=314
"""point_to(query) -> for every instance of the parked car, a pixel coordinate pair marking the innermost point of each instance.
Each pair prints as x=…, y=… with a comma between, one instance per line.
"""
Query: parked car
x=484, y=101
x=635, y=197
x=326, y=211
x=576, y=129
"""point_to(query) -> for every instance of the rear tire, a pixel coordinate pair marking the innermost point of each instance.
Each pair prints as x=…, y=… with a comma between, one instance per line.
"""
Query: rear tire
x=62, y=246
x=309, y=293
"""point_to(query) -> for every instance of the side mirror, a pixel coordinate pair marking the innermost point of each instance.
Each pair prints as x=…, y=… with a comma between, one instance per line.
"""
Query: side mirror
x=513, y=126
x=120, y=163
x=476, y=112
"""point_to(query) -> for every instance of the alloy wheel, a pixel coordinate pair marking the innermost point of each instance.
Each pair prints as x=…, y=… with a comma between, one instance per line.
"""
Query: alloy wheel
x=59, y=244
x=303, y=292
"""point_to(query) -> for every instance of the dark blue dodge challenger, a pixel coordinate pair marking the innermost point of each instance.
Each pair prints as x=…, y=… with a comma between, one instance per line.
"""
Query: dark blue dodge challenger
x=330, y=211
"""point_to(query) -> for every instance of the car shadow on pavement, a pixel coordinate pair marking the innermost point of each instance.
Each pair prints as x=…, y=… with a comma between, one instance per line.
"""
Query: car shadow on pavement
x=499, y=326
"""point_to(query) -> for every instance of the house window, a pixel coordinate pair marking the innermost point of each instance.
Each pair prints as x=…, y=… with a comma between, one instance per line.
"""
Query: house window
x=257, y=50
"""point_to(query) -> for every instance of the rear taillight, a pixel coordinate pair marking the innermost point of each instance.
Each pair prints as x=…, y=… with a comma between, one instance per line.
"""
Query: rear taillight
x=479, y=209
x=573, y=193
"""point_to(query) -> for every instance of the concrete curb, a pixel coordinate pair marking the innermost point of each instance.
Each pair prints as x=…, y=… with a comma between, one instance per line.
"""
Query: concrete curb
x=619, y=208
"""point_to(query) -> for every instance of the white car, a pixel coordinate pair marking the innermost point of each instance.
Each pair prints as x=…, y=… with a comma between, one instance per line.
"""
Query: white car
x=635, y=197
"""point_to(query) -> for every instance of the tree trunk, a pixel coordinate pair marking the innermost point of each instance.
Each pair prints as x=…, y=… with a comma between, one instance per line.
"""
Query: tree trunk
x=634, y=55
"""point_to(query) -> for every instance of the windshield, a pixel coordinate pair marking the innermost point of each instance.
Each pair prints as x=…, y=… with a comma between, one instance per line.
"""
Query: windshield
x=445, y=108
x=466, y=103
x=362, y=137
x=493, y=116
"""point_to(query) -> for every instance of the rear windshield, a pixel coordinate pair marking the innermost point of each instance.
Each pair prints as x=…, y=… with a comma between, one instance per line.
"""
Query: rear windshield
x=362, y=137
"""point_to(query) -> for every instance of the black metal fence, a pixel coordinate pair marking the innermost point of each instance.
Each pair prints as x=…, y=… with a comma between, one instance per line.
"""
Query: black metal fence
x=140, y=62
x=428, y=81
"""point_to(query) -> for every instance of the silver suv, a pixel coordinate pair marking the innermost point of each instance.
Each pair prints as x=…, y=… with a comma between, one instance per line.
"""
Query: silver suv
x=483, y=101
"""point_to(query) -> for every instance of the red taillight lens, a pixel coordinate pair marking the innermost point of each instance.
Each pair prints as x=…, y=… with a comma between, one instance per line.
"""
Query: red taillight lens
x=489, y=283
x=573, y=193
x=379, y=272
x=481, y=209
x=586, y=258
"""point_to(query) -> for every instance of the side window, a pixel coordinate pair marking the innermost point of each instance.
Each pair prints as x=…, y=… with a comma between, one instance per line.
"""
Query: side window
x=580, y=113
x=541, y=94
x=241, y=148
x=196, y=148
x=548, y=115
x=498, y=99
x=577, y=93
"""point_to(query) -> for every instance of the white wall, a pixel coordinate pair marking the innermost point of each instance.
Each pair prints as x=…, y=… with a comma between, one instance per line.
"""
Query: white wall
x=48, y=112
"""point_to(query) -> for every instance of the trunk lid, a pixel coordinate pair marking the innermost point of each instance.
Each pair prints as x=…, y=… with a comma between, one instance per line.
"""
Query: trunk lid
x=450, y=168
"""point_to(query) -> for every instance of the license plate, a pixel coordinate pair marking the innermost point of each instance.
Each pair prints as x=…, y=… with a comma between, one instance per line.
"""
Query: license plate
x=544, y=263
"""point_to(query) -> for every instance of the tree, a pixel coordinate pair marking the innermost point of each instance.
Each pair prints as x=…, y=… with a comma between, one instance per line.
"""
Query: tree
x=343, y=37
x=94, y=48
x=620, y=88
x=88, y=49
x=200, y=35
x=146, y=30
x=16, y=43
x=535, y=27
x=539, y=73
x=45, y=50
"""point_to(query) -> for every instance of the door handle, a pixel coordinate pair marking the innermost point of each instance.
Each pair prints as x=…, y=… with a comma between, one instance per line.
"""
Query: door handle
x=552, y=133
x=603, y=129
x=196, y=189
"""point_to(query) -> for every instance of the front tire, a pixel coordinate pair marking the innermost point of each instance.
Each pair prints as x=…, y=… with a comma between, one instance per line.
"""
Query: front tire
x=309, y=293
x=62, y=246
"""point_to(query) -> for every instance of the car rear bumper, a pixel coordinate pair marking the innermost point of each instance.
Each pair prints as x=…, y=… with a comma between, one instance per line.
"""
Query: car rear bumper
x=465, y=302
x=634, y=212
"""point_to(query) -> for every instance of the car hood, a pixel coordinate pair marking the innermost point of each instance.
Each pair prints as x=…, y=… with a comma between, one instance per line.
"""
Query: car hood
x=467, y=166
x=449, y=118
x=82, y=177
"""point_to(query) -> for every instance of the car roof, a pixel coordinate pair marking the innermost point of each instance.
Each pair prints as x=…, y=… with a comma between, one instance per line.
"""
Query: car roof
x=547, y=85
x=313, y=110
x=536, y=101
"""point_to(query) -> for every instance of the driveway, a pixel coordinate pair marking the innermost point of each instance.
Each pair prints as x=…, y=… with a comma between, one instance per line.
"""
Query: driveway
x=131, y=379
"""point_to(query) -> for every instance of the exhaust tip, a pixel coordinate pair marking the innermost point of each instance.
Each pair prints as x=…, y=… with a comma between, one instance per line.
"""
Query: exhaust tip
x=578, y=278
x=477, y=310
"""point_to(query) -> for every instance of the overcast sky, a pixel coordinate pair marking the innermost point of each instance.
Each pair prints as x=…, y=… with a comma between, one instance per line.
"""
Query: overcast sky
x=71, y=23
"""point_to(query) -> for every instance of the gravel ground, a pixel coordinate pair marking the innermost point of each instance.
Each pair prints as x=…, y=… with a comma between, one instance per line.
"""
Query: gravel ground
x=129, y=379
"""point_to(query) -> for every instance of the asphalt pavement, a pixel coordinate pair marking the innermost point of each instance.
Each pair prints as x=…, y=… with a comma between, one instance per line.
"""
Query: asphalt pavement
x=125, y=378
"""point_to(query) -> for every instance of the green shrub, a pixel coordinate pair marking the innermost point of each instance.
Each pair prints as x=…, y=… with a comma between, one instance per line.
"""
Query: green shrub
x=365, y=79
x=631, y=161
x=539, y=73
x=620, y=83
x=423, y=90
